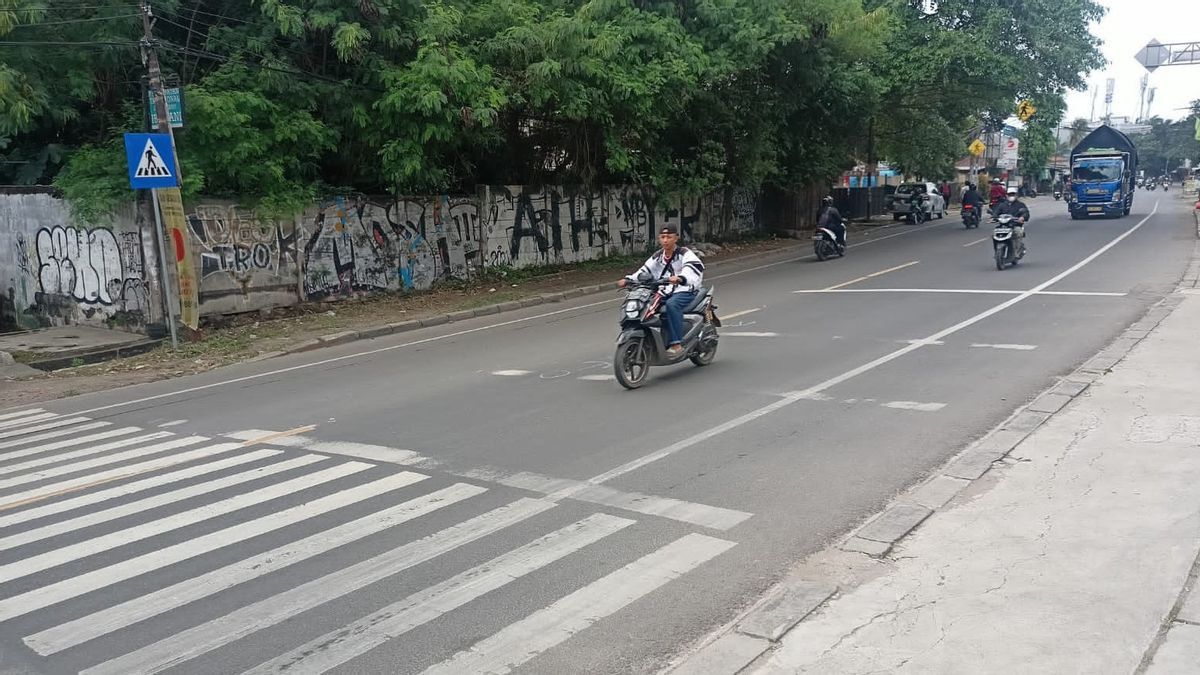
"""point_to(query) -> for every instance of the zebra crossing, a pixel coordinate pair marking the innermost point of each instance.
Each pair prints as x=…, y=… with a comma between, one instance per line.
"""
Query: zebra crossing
x=87, y=506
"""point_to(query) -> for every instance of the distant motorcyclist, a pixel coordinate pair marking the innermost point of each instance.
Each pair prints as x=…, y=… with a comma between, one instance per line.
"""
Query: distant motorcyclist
x=916, y=204
x=996, y=195
x=1014, y=207
x=971, y=197
x=832, y=220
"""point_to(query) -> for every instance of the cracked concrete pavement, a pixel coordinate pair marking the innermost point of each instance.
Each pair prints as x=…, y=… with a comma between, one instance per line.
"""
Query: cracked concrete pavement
x=1076, y=554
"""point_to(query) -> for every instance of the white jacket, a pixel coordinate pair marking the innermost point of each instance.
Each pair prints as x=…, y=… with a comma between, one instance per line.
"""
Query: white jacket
x=684, y=264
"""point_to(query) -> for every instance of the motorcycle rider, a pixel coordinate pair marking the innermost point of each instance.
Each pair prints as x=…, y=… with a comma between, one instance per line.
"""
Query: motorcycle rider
x=832, y=220
x=996, y=195
x=684, y=270
x=971, y=196
x=916, y=204
x=1020, y=213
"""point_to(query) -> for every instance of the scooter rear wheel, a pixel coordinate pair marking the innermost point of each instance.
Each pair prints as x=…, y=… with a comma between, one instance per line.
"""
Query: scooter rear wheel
x=631, y=363
x=705, y=357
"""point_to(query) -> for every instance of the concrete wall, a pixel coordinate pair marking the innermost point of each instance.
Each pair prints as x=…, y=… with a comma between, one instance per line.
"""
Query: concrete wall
x=60, y=272
x=55, y=271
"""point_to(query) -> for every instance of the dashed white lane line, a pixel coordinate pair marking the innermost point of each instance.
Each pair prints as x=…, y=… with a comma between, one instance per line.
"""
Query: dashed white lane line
x=744, y=312
x=511, y=373
x=599, y=378
x=977, y=241
x=914, y=405
x=746, y=333
x=1019, y=348
x=872, y=275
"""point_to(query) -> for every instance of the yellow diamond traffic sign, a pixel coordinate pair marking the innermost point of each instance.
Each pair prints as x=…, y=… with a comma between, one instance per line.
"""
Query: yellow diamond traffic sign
x=1025, y=110
x=977, y=147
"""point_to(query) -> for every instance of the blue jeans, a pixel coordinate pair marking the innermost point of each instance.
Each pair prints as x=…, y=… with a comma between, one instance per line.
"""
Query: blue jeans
x=673, y=313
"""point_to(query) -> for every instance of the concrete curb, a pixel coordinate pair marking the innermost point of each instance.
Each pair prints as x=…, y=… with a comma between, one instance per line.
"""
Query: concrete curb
x=743, y=642
x=346, y=337
x=96, y=355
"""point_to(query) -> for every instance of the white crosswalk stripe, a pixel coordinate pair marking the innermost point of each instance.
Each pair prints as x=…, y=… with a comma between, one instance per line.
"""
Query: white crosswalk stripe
x=50, y=559
x=82, y=475
x=22, y=421
x=83, y=482
x=533, y=635
x=343, y=644
x=21, y=413
x=119, y=457
x=201, y=639
x=56, y=424
x=163, y=600
x=135, y=487
x=57, y=433
x=54, y=459
x=162, y=499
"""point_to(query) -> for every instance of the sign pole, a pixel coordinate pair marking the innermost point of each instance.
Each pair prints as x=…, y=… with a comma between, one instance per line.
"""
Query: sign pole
x=162, y=255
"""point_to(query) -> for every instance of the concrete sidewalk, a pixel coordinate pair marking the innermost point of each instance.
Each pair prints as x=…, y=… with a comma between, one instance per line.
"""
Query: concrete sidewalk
x=1076, y=552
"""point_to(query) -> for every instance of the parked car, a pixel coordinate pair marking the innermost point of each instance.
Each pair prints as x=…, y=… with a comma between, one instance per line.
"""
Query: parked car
x=935, y=204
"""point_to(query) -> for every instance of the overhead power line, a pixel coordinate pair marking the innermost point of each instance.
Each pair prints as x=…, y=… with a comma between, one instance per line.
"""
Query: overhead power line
x=59, y=43
x=69, y=21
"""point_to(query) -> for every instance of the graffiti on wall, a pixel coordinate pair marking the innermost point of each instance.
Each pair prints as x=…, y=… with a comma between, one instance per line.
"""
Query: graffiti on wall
x=358, y=245
x=551, y=225
x=92, y=267
x=236, y=242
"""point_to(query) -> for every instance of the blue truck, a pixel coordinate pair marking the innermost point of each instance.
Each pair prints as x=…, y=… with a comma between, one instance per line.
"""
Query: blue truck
x=1103, y=170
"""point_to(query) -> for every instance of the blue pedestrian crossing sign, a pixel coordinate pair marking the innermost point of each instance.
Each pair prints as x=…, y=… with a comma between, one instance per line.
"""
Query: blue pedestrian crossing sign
x=151, y=160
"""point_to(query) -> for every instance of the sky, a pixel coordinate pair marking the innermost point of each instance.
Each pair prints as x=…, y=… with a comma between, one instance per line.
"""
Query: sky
x=1127, y=27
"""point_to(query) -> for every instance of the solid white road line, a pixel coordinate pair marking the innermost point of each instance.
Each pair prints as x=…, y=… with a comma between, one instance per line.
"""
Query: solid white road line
x=38, y=563
x=96, y=517
x=83, y=482
x=198, y=640
x=56, y=424
x=21, y=413
x=55, y=471
x=744, y=312
x=713, y=517
x=599, y=378
x=793, y=397
x=76, y=454
x=511, y=373
x=967, y=291
x=542, y=630
x=92, y=626
x=450, y=336
x=22, y=421
x=135, y=487
x=40, y=598
x=1020, y=348
x=745, y=333
x=37, y=438
x=914, y=405
x=873, y=275
x=343, y=644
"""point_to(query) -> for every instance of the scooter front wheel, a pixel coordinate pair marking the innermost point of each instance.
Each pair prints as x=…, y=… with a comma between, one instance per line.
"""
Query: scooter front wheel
x=631, y=363
x=1001, y=258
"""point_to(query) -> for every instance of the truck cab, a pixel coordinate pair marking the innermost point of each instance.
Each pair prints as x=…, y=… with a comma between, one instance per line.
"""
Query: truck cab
x=1102, y=175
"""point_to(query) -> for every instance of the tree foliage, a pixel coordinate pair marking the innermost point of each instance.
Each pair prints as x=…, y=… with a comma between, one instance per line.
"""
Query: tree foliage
x=285, y=99
x=1169, y=144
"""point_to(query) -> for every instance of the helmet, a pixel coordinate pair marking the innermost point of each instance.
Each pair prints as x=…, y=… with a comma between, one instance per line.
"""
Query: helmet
x=827, y=200
x=996, y=181
x=1012, y=190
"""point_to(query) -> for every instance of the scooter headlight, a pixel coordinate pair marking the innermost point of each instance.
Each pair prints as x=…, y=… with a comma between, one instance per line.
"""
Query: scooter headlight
x=632, y=309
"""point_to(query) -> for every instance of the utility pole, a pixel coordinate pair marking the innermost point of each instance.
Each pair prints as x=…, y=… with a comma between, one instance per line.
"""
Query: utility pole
x=163, y=124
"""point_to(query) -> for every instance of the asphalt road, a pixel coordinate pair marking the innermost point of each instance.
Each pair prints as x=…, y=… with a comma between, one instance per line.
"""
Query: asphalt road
x=483, y=497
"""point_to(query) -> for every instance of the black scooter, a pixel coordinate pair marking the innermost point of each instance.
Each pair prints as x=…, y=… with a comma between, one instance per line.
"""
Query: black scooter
x=641, y=345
